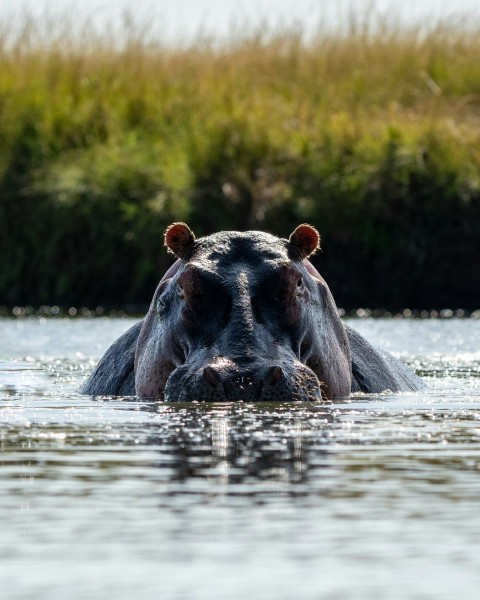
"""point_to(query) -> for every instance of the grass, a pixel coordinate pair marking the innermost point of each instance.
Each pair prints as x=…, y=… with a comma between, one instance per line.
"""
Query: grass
x=368, y=132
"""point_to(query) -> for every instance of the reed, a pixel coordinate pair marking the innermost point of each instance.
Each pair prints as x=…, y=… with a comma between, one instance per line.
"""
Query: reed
x=369, y=131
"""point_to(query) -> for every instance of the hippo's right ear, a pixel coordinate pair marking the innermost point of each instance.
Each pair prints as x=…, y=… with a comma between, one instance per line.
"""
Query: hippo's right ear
x=179, y=239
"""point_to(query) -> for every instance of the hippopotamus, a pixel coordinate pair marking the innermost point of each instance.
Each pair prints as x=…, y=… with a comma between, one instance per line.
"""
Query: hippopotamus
x=244, y=316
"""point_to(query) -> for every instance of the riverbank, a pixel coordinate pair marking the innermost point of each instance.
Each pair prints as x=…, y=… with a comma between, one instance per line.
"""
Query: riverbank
x=371, y=134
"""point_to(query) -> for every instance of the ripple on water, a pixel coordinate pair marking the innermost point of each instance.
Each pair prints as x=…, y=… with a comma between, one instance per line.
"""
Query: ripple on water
x=371, y=497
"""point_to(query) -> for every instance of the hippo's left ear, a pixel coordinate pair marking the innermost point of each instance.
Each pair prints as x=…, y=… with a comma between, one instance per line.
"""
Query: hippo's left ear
x=305, y=239
x=179, y=239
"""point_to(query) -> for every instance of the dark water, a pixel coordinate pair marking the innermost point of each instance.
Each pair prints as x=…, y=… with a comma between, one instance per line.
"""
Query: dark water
x=375, y=497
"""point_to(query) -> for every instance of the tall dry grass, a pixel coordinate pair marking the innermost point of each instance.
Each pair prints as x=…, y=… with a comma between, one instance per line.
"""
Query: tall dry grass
x=106, y=138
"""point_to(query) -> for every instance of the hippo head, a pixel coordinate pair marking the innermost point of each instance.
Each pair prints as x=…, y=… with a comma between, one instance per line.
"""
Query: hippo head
x=242, y=316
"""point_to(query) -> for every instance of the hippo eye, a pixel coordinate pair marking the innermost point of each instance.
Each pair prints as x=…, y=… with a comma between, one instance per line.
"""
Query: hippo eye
x=180, y=291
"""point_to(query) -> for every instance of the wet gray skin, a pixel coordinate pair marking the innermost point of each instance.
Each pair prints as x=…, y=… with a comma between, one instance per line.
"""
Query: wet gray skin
x=244, y=316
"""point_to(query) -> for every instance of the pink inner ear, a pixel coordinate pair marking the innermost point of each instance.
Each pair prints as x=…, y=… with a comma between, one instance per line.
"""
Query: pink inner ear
x=177, y=233
x=306, y=238
x=309, y=237
x=178, y=237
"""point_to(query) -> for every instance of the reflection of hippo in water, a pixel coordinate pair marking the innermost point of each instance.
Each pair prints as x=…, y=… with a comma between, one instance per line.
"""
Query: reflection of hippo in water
x=244, y=316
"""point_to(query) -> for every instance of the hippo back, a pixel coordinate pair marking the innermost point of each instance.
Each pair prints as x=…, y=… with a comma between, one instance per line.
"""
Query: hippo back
x=374, y=370
x=114, y=375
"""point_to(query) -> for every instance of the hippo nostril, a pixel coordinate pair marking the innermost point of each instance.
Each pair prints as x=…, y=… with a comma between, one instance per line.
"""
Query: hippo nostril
x=212, y=377
x=274, y=375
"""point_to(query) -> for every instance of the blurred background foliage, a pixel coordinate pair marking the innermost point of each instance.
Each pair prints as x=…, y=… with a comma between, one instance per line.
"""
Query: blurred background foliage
x=371, y=133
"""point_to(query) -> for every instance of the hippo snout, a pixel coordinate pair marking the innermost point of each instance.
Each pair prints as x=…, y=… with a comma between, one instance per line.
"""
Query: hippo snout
x=241, y=384
x=224, y=380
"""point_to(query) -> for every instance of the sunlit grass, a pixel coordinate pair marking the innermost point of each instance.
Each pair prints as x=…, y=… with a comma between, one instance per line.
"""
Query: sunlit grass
x=264, y=94
x=255, y=132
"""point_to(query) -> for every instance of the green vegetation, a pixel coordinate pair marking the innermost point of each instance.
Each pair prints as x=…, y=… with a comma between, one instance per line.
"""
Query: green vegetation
x=370, y=133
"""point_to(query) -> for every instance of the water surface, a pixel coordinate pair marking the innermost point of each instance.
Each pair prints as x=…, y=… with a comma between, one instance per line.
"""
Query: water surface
x=374, y=497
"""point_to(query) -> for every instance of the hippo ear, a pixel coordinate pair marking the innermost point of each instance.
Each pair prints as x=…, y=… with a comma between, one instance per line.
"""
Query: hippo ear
x=179, y=239
x=305, y=239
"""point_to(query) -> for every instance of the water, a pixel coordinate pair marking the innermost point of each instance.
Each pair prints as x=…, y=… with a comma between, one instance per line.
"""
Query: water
x=374, y=497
